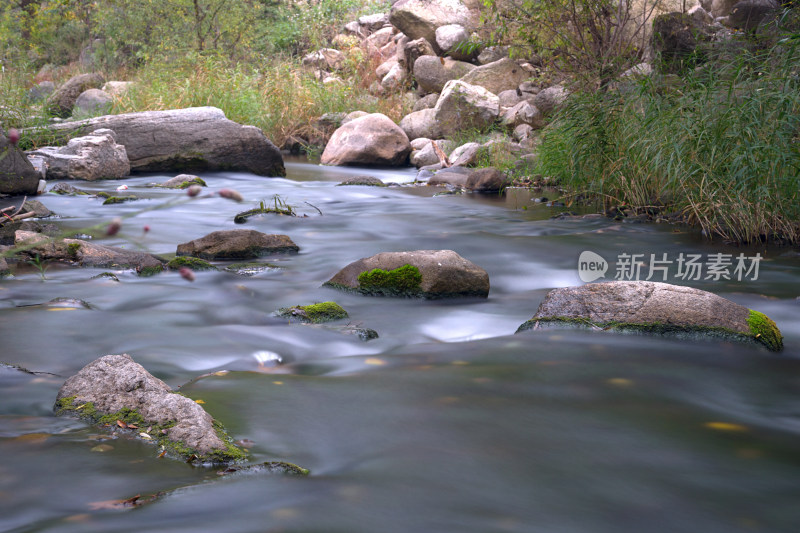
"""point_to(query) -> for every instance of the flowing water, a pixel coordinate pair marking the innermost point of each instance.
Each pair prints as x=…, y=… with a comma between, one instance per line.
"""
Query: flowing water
x=447, y=422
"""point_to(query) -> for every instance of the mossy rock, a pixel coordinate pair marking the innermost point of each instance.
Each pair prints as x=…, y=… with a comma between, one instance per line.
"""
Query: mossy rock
x=365, y=181
x=429, y=274
x=401, y=281
x=194, y=263
x=111, y=200
x=654, y=308
x=148, y=271
x=315, y=313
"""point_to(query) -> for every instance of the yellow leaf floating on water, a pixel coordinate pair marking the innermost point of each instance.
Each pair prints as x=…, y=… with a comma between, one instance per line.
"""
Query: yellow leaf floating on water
x=726, y=426
x=101, y=448
x=374, y=361
x=619, y=382
x=277, y=382
x=145, y=435
x=460, y=363
x=199, y=401
x=33, y=438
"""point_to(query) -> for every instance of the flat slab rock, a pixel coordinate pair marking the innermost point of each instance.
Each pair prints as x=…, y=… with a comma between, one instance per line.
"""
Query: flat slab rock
x=116, y=390
x=658, y=308
x=237, y=244
x=444, y=274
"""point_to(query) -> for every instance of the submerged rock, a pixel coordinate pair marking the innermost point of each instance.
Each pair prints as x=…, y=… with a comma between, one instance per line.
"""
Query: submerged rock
x=655, y=308
x=86, y=253
x=182, y=181
x=237, y=244
x=117, y=392
x=315, y=313
x=367, y=181
x=417, y=274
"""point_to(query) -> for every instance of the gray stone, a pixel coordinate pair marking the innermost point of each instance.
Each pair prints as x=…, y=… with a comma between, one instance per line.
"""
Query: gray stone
x=445, y=274
x=420, y=18
x=426, y=102
x=182, y=181
x=464, y=107
x=373, y=23
x=722, y=8
x=432, y=73
x=237, y=244
x=487, y=179
x=451, y=39
x=550, y=99
x=453, y=176
x=419, y=143
x=415, y=49
x=427, y=155
x=496, y=77
x=700, y=14
x=466, y=154
x=395, y=78
x=191, y=139
x=92, y=102
x=421, y=124
x=86, y=253
x=509, y=98
x=17, y=175
x=41, y=91
x=523, y=113
x=93, y=157
x=370, y=140
x=381, y=38
x=63, y=99
x=366, y=181
x=114, y=384
x=492, y=53
x=650, y=307
x=523, y=132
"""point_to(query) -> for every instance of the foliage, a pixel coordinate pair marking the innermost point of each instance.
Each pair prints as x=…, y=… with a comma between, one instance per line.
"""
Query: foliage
x=590, y=39
x=720, y=147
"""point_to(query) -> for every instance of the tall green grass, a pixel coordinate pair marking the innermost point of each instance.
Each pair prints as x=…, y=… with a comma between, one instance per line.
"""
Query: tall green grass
x=721, y=146
x=279, y=96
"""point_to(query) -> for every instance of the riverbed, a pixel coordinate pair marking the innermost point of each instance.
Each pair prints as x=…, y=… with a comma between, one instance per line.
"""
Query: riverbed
x=449, y=421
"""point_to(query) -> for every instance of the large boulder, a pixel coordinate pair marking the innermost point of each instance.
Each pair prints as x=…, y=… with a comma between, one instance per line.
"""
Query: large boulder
x=488, y=179
x=413, y=50
x=498, y=76
x=748, y=14
x=17, y=174
x=369, y=140
x=451, y=40
x=191, y=139
x=86, y=253
x=427, y=155
x=420, y=18
x=550, y=99
x=656, y=308
x=420, y=274
x=93, y=157
x=117, y=392
x=463, y=107
x=432, y=73
x=421, y=124
x=63, y=99
x=523, y=113
x=237, y=244
x=455, y=176
x=92, y=102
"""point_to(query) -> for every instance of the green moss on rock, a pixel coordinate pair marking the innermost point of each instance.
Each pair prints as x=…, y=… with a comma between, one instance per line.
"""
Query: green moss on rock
x=765, y=330
x=315, y=313
x=147, y=271
x=119, y=199
x=195, y=263
x=402, y=281
x=132, y=422
x=196, y=181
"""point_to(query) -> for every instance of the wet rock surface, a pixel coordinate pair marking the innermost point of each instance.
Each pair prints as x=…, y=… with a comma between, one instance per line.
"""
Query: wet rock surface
x=652, y=307
x=118, y=391
x=420, y=273
x=237, y=244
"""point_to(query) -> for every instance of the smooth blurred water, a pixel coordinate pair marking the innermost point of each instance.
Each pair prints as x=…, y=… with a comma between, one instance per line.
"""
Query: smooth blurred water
x=447, y=422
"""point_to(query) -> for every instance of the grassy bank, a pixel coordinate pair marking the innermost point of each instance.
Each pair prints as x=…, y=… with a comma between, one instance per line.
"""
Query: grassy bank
x=719, y=145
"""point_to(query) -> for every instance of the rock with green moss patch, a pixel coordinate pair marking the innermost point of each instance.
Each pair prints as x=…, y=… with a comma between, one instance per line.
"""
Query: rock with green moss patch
x=366, y=181
x=654, y=308
x=182, y=181
x=416, y=274
x=111, y=200
x=314, y=313
x=195, y=263
x=116, y=392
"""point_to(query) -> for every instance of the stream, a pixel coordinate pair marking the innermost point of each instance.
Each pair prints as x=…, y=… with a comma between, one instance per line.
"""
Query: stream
x=448, y=422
